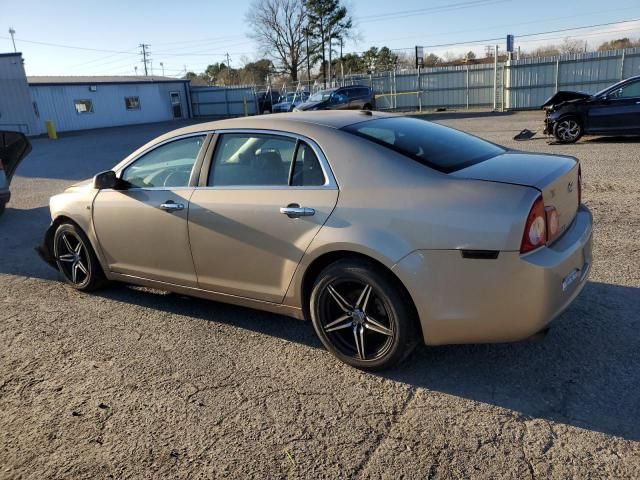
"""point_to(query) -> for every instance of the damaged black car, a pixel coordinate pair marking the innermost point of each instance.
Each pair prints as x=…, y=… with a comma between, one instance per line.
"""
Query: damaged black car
x=14, y=146
x=612, y=111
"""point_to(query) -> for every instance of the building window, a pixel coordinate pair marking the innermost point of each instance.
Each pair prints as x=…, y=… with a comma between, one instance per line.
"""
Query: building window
x=83, y=106
x=132, y=103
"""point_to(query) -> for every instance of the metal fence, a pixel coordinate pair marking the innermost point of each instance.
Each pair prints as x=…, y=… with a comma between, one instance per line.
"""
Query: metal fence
x=223, y=102
x=516, y=84
x=532, y=80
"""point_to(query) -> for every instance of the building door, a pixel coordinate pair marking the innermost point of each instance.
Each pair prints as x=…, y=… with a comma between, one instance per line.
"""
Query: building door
x=176, y=104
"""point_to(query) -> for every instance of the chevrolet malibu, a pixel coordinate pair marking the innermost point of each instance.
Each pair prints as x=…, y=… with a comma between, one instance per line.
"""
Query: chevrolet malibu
x=384, y=231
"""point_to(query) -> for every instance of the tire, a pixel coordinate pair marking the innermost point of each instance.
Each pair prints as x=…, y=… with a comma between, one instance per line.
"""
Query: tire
x=344, y=299
x=568, y=130
x=367, y=107
x=2, y=208
x=76, y=259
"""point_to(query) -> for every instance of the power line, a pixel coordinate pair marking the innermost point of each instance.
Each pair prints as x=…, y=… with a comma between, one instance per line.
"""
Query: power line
x=423, y=11
x=482, y=41
x=59, y=45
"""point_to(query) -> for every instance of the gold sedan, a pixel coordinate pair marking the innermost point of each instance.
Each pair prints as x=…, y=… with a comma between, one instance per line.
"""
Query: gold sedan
x=385, y=231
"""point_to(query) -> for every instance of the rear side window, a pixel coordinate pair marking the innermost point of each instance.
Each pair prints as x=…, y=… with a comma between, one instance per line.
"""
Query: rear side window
x=436, y=146
x=252, y=160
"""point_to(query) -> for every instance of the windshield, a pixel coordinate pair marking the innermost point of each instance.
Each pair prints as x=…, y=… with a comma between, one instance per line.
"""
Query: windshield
x=321, y=96
x=610, y=87
x=436, y=146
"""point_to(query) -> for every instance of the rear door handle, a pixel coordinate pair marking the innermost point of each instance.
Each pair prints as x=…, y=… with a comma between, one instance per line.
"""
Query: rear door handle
x=171, y=206
x=294, y=210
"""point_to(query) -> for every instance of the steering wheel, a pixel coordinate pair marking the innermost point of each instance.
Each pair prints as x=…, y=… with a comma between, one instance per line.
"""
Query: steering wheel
x=175, y=178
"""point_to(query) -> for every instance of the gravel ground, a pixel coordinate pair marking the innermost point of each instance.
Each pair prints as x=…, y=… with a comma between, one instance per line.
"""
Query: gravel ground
x=134, y=383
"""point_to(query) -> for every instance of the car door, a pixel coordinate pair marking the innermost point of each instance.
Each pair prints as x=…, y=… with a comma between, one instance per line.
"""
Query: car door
x=142, y=229
x=255, y=212
x=355, y=99
x=338, y=100
x=618, y=111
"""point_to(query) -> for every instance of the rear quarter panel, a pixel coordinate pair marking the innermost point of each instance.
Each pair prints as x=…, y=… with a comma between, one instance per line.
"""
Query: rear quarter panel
x=390, y=206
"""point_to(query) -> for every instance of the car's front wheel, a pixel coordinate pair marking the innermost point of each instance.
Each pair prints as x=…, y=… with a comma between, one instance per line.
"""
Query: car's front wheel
x=362, y=316
x=76, y=259
x=568, y=130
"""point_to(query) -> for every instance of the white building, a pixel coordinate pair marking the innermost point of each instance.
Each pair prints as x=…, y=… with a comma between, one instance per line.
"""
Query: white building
x=16, y=107
x=79, y=103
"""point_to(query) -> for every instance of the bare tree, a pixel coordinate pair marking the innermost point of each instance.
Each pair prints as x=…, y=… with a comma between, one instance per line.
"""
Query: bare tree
x=279, y=30
x=572, y=46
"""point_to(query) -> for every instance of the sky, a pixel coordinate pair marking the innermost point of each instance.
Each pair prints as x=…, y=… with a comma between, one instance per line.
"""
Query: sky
x=102, y=38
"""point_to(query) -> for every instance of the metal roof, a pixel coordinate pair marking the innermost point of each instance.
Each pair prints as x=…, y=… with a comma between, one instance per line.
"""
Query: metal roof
x=99, y=80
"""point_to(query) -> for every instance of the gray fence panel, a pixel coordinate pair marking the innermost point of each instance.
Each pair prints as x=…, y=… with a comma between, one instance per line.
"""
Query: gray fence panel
x=222, y=101
x=533, y=80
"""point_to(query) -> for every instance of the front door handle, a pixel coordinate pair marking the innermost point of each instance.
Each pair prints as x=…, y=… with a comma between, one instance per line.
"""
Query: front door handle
x=171, y=206
x=294, y=210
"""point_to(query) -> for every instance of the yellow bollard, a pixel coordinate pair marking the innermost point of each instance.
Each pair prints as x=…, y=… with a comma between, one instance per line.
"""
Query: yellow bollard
x=246, y=108
x=51, y=130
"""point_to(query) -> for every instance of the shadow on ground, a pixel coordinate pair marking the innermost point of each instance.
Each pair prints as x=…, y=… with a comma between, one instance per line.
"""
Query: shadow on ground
x=585, y=372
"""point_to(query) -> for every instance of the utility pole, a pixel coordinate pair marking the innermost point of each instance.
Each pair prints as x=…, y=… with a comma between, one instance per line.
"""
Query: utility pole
x=145, y=56
x=228, y=66
x=306, y=33
x=341, y=62
x=12, y=32
x=329, y=64
x=162, y=66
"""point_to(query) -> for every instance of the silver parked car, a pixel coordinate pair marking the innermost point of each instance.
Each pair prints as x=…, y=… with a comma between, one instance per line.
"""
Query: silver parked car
x=385, y=231
x=14, y=146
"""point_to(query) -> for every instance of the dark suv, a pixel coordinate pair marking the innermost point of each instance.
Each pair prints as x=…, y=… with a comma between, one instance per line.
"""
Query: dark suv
x=266, y=101
x=354, y=97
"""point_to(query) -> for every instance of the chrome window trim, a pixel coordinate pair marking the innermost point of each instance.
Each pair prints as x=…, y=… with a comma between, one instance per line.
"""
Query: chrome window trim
x=120, y=171
x=330, y=181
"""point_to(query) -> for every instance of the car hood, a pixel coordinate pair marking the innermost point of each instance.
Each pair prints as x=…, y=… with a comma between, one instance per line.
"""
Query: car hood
x=14, y=147
x=81, y=186
x=283, y=104
x=564, y=96
x=310, y=105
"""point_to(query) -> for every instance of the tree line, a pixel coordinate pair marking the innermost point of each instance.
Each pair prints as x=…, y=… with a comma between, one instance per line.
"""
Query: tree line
x=303, y=40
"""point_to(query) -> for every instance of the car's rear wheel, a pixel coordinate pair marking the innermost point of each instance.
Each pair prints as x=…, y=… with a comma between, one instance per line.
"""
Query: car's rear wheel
x=568, y=130
x=76, y=259
x=362, y=316
x=3, y=205
x=367, y=106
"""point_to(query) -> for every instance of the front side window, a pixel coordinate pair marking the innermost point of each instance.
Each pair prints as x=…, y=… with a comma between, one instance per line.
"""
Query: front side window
x=252, y=160
x=168, y=165
x=321, y=96
x=132, y=103
x=631, y=90
x=83, y=106
x=436, y=146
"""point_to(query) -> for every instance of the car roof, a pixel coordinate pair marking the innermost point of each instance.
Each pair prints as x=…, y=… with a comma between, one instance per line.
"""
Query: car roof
x=288, y=122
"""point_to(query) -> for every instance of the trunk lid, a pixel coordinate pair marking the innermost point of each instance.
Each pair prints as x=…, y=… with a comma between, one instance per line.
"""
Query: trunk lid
x=553, y=175
x=14, y=146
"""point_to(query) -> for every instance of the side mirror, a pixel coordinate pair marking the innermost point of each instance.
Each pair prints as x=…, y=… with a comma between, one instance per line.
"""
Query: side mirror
x=106, y=179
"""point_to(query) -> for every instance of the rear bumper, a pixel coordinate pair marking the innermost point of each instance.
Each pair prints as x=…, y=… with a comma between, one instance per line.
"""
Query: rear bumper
x=506, y=299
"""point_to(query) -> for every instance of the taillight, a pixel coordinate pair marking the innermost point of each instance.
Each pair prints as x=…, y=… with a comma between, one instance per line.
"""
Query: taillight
x=579, y=184
x=535, y=230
